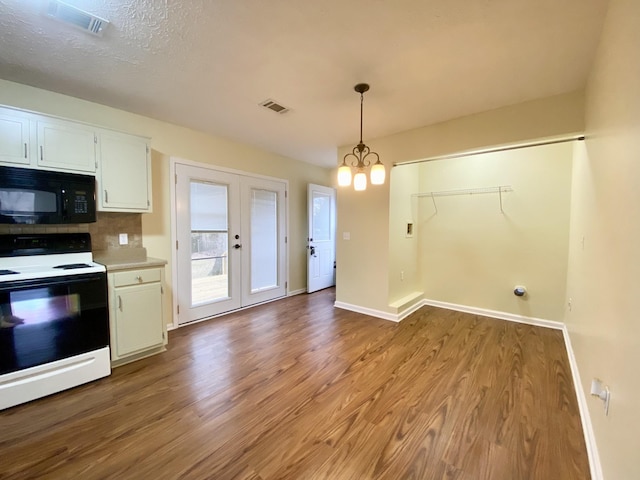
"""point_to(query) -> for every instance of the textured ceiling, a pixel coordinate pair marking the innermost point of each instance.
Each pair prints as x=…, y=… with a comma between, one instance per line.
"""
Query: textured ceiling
x=207, y=64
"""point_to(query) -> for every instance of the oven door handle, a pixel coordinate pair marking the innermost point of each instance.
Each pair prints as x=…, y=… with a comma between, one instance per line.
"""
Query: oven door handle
x=63, y=280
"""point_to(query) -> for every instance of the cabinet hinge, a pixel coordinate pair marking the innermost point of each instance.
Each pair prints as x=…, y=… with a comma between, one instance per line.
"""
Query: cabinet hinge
x=286, y=284
x=176, y=244
x=176, y=179
x=161, y=290
x=148, y=203
x=286, y=194
x=286, y=239
x=147, y=149
x=178, y=309
x=95, y=139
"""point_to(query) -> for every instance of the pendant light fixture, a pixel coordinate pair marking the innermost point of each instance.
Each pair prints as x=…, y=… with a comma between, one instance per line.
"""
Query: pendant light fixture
x=360, y=161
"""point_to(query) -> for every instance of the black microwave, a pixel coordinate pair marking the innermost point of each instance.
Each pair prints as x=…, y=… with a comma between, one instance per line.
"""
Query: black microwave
x=41, y=197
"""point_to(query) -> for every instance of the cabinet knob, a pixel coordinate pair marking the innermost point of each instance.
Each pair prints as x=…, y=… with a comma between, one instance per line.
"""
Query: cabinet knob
x=139, y=279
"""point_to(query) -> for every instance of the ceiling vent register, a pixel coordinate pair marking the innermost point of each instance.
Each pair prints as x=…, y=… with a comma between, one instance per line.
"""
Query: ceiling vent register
x=78, y=18
x=275, y=106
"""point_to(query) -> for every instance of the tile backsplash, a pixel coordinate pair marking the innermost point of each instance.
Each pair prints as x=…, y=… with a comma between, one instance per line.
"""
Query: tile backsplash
x=104, y=232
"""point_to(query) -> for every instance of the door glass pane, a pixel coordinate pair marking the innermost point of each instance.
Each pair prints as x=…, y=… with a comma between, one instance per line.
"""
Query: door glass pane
x=264, y=240
x=209, y=242
x=321, y=217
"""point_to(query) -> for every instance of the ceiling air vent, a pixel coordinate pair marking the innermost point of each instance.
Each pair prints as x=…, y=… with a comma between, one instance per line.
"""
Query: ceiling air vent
x=275, y=106
x=78, y=18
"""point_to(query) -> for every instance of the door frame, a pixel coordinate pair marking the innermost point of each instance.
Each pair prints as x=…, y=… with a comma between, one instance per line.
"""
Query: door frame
x=173, y=225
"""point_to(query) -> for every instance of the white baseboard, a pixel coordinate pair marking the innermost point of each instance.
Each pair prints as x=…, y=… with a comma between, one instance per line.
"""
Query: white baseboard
x=296, y=292
x=592, y=450
x=589, y=437
x=367, y=311
x=405, y=313
x=512, y=317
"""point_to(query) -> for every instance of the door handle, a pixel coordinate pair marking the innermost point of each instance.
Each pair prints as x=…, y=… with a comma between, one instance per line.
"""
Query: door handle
x=237, y=246
x=312, y=251
x=120, y=302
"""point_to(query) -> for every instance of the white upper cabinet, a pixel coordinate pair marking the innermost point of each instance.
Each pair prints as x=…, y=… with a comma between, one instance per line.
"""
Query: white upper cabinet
x=119, y=161
x=124, y=173
x=66, y=145
x=14, y=138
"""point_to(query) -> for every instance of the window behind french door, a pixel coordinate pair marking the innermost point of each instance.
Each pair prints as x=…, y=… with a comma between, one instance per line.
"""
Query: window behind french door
x=231, y=249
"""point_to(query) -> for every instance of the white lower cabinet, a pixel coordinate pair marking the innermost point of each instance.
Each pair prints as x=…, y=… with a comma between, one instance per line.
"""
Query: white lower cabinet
x=137, y=327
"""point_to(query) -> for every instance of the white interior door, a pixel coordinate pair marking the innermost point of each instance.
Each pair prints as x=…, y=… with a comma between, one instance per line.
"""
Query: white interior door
x=231, y=249
x=321, y=248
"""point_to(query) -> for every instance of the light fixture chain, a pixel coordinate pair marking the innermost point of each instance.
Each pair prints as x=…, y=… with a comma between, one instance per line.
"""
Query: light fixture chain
x=361, y=102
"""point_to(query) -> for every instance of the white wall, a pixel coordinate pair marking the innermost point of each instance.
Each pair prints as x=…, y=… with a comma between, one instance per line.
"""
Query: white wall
x=604, y=259
x=473, y=254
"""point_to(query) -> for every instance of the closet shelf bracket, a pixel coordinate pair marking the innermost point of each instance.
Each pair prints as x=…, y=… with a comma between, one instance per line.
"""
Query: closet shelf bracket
x=500, y=189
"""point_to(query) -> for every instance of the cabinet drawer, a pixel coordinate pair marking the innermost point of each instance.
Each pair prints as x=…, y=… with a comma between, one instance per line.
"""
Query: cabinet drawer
x=136, y=277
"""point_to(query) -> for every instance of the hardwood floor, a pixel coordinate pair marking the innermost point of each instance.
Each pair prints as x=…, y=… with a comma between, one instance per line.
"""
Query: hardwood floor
x=296, y=389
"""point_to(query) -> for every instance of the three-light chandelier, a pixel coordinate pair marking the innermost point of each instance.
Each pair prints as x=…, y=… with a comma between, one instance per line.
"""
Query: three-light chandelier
x=360, y=161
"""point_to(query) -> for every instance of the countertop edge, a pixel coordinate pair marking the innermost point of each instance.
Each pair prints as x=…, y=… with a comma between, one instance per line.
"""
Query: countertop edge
x=115, y=265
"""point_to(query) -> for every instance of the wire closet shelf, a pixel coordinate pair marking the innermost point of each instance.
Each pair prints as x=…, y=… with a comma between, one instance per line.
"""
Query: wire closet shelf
x=500, y=189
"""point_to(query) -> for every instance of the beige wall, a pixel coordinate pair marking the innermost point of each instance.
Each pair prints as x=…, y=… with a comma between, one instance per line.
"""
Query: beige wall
x=367, y=274
x=473, y=254
x=171, y=140
x=604, y=260
x=404, y=272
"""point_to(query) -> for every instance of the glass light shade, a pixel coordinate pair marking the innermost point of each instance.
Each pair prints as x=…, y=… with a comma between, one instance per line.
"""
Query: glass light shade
x=377, y=173
x=344, y=175
x=360, y=181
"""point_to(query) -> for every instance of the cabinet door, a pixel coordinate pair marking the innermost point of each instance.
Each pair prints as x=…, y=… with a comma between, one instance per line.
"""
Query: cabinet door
x=124, y=173
x=66, y=146
x=138, y=322
x=14, y=139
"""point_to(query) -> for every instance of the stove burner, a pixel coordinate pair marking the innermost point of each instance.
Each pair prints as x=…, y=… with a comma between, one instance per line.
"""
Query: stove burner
x=71, y=266
x=7, y=272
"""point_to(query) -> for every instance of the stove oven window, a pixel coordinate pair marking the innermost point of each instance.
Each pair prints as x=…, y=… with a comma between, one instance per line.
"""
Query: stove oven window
x=41, y=324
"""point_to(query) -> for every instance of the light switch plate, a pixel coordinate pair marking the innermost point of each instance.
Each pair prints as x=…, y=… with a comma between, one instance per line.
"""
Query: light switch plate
x=123, y=239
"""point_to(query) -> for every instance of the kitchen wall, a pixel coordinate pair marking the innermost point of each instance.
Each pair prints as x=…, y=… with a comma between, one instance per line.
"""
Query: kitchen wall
x=367, y=277
x=104, y=232
x=169, y=140
x=604, y=258
x=108, y=226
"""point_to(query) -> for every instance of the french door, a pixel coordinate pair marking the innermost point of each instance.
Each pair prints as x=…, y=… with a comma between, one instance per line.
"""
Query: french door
x=231, y=249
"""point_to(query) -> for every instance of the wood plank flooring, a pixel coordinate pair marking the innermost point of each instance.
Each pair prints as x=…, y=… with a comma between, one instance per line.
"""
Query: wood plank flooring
x=296, y=389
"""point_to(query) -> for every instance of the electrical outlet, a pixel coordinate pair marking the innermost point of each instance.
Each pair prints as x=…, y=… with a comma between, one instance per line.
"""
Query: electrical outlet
x=123, y=239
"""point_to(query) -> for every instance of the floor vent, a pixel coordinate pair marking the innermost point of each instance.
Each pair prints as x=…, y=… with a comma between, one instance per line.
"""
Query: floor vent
x=275, y=106
x=78, y=18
